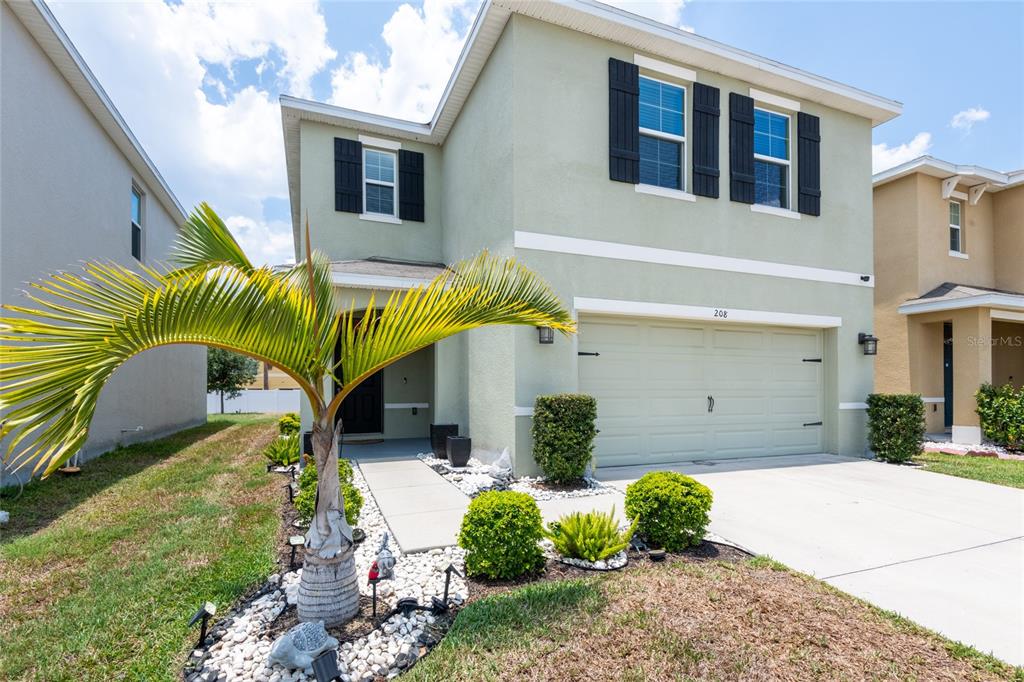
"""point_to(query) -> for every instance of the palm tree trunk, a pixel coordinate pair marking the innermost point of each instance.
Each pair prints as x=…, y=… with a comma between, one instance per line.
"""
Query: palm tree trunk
x=328, y=588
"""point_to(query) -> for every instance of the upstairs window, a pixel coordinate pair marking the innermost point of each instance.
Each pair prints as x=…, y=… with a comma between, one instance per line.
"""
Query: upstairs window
x=955, y=235
x=379, y=182
x=662, y=134
x=136, y=236
x=771, y=158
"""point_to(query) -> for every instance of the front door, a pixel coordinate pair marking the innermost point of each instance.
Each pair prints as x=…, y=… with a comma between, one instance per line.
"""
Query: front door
x=947, y=372
x=362, y=411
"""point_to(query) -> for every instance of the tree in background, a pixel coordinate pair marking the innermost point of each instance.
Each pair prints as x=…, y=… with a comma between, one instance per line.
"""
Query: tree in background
x=228, y=372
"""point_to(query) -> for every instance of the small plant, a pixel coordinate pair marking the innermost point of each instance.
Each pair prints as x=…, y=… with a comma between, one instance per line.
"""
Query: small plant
x=500, y=532
x=1001, y=409
x=289, y=424
x=593, y=536
x=669, y=510
x=563, y=435
x=895, y=426
x=283, y=451
x=305, y=499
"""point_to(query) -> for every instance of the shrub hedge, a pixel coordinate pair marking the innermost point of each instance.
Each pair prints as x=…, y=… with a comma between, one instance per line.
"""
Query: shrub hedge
x=305, y=499
x=289, y=424
x=563, y=434
x=669, y=510
x=895, y=426
x=1001, y=409
x=500, y=532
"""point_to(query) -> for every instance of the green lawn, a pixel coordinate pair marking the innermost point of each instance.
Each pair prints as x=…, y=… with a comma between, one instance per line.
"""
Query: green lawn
x=1008, y=472
x=100, y=572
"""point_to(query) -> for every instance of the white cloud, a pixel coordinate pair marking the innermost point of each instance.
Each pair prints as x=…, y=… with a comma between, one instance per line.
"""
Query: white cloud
x=965, y=120
x=263, y=241
x=883, y=156
x=667, y=12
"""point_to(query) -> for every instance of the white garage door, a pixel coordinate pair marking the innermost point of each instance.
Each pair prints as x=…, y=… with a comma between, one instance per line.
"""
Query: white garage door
x=672, y=391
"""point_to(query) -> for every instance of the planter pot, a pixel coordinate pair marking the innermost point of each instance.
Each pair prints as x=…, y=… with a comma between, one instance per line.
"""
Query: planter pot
x=439, y=438
x=459, y=448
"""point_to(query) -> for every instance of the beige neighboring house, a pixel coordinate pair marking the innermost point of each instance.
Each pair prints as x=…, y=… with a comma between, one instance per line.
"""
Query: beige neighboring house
x=949, y=291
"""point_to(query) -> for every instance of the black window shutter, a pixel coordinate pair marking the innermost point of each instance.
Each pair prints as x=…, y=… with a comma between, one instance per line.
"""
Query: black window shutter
x=705, y=140
x=348, y=175
x=623, y=121
x=808, y=164
x=741, y=148
x=410, y=185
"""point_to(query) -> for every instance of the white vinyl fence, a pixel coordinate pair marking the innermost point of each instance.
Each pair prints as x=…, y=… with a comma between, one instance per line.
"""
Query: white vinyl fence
x=275, y=400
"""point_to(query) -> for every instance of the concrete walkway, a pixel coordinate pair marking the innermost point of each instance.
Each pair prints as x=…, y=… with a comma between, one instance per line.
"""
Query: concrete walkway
x=946, y=552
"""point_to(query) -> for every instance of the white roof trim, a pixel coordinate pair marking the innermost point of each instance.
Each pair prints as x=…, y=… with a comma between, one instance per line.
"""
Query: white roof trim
x=55, y=43
x=966, y=174
x=993, y=300
x=359, y=281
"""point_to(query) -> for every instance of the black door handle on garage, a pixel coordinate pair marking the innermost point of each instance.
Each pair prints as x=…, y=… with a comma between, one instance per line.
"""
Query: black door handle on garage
x=711, y=403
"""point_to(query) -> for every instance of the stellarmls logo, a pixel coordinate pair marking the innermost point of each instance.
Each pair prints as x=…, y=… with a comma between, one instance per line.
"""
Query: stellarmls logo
x=1011, y=341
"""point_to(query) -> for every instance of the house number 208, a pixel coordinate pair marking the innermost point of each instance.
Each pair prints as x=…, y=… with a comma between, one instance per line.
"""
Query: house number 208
x=721, y=313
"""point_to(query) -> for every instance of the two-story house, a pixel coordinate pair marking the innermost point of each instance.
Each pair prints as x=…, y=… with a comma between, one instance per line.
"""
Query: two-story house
x=949, y=299
x=77, y=186
x=705, y=212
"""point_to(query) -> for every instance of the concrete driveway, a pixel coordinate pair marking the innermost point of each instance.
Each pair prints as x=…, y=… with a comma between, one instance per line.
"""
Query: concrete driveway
x=946, y=552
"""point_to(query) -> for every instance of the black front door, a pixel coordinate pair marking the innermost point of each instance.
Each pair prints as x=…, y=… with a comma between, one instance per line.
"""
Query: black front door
x=947, y=371
x=362, y=411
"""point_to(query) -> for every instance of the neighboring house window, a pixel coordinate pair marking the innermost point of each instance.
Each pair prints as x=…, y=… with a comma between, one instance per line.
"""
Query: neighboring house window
x=955, y=235
x=771, y=158
x=136, y=224
x=379, y=182
x=662, y=135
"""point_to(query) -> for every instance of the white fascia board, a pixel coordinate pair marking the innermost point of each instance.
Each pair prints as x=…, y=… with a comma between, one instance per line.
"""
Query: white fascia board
x=536, y=241
x=942, y=169
x=717, y=315
x=774, y=100
x=993, y=300
x=658, y=66
x=1007, y=316
x=382, y=282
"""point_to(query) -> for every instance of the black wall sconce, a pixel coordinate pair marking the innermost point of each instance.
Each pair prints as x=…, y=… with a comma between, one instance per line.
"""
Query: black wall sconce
x=869, y=342
x=545, y=335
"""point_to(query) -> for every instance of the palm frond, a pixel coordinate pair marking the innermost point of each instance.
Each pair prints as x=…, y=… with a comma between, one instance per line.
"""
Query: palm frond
x=56, y=357
x=205, y=242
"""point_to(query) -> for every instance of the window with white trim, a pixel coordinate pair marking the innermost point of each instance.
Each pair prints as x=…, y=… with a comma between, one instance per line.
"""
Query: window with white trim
x=379, y=183
x=771, y=158
x=662, y=134
x=955, y=234
x=136, y=229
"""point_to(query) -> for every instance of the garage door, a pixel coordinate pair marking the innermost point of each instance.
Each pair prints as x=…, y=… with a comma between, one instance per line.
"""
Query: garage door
x=672, y=391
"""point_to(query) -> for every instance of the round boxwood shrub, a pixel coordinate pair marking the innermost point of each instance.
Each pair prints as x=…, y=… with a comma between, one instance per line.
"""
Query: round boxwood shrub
x=1001, y=409
x=500, y=532
x=670, y=510
x=563, y=435
x=895, y=426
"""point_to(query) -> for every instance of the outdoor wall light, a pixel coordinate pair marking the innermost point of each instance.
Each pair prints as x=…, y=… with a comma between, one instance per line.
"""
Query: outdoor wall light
x=325, y=666
x=295, y=541
x=545, y=335
x=203, y=614
x=869, y=342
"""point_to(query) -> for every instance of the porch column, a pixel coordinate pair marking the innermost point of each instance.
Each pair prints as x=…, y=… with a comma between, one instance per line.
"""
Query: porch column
x=972, y=366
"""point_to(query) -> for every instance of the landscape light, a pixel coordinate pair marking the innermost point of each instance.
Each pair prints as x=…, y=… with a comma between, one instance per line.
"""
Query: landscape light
x=204, y=613
x=295, y=541
x=325, y=666
x=441, y=605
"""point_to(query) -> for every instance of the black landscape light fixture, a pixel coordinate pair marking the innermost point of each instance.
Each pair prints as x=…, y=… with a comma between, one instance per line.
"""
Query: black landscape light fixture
x=325, y=666
x=869, y=342
x=291, y=492
x=441, y=605
x=203, y=614
x=545, y=335
x=295, y=541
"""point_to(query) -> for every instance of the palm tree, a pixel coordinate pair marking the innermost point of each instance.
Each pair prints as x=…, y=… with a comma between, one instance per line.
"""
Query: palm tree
x=56, y=357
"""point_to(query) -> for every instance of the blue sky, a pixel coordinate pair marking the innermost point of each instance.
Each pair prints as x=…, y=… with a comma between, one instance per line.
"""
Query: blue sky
x=198, y=82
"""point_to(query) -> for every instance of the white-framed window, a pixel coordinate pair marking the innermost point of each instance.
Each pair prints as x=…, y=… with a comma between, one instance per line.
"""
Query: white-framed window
x=380, y=182
x=956, y=241
x=662, y=134
x=772, y=168
x=136, y=219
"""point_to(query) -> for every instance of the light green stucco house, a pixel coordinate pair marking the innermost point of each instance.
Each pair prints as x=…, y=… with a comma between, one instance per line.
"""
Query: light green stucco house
x=705, y=212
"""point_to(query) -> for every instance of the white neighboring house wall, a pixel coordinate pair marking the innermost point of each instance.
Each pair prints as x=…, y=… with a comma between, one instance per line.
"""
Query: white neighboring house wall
x=67, y=167
x=275, y=400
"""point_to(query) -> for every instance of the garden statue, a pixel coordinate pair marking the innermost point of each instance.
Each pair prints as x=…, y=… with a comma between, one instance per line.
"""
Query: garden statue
x=297, y=648
x=385, y=560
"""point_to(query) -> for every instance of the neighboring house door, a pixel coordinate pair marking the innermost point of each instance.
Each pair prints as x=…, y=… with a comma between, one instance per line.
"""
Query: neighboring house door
x=947, y=372
x=363, y=410
x=670, y=391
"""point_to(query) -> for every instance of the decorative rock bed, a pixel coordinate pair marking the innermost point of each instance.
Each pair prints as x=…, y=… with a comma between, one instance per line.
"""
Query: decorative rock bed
x=478, y=477
x=986, y=450
x=238, y=646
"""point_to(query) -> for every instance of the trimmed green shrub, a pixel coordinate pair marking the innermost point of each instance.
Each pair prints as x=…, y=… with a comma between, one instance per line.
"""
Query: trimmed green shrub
x=289, y=424
x=305, y=499
x=895, y=426
x=283, y=451
x=1001, y=409
x=593, y=536
x=500, y=532
x=668, y=509
x=563, y=435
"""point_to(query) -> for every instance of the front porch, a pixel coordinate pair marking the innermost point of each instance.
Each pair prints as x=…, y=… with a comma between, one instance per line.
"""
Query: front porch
x=960, y=337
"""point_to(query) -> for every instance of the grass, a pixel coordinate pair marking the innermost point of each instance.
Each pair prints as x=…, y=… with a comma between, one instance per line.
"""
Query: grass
x=688, y=620
x=100, y=572
x=1008, y=472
